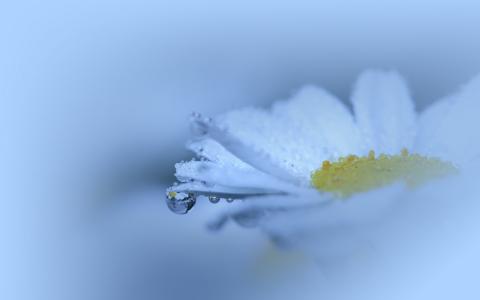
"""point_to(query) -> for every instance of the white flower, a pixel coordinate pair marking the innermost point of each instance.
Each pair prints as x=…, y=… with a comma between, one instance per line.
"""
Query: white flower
x=280, y=161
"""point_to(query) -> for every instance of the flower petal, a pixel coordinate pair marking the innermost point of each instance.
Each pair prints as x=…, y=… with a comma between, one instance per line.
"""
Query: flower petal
x=331, y=227
x=259, y=210
x=338, y=229
x=211, y=150
x=449, y=128
x=200, y=188
x=250, y=142
x=228, y=176
x=323, y=121
x=292, y=139
x=384, y=111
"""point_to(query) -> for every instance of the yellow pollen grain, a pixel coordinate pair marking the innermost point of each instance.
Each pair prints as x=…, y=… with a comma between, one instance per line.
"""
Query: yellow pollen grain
x=353, y=174
x=172, y=194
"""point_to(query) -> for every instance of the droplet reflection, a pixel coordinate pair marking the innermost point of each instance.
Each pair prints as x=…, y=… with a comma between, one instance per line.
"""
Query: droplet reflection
x=180, y=203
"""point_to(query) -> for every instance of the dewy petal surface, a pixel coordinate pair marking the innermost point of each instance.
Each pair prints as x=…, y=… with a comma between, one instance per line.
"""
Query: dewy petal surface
x=215, y=174
x=292, y=139
x=237, y=135
x=253, y=151
x=322, y=120
x=211, y=150
x=384, y=111
x=450, y=128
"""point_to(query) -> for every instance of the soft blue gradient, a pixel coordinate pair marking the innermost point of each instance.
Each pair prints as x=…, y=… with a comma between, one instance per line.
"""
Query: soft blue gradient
x=94, y=101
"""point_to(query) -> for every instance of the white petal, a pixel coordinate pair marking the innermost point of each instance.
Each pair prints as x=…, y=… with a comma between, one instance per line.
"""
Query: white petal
x=384, y=111
x=450, y=128
x=335, y=230
x=332, y=227
x=236, y=133
x=287, y=149
x=323, y=122
x=259, y=210
x=291, y=140
x=202, y=188
x=228, y=176
x=214, y=152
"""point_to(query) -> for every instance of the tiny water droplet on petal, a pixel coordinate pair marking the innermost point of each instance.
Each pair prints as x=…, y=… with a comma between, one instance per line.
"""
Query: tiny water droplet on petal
x=180, y=203
x=213, y=199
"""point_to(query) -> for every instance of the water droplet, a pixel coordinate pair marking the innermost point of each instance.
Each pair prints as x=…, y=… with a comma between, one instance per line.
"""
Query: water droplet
x=180, y=203
x=229, y=200
x=213, y=199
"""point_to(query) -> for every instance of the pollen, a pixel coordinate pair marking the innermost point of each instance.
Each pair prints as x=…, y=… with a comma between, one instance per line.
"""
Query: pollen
x=353, y=174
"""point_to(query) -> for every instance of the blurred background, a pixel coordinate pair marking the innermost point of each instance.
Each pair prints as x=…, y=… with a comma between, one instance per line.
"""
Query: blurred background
x=95, y=98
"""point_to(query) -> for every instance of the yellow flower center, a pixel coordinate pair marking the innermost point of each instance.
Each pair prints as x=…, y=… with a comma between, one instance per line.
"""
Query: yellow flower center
x=353, y=174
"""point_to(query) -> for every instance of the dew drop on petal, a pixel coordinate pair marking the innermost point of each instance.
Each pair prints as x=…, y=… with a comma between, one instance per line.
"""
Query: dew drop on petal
x=180, y=203
x=214, y=199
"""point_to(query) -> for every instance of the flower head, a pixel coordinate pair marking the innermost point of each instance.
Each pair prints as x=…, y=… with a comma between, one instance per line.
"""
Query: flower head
x=306, y=153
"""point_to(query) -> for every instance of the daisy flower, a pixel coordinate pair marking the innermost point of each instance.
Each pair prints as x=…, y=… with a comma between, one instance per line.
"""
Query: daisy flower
x=313, y=160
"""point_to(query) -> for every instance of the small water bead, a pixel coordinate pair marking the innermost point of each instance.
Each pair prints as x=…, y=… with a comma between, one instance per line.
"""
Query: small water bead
x=214, y=199
x=180, y=203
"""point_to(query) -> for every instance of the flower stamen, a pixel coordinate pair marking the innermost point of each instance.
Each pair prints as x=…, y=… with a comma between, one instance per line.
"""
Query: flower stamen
x=353, y=174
